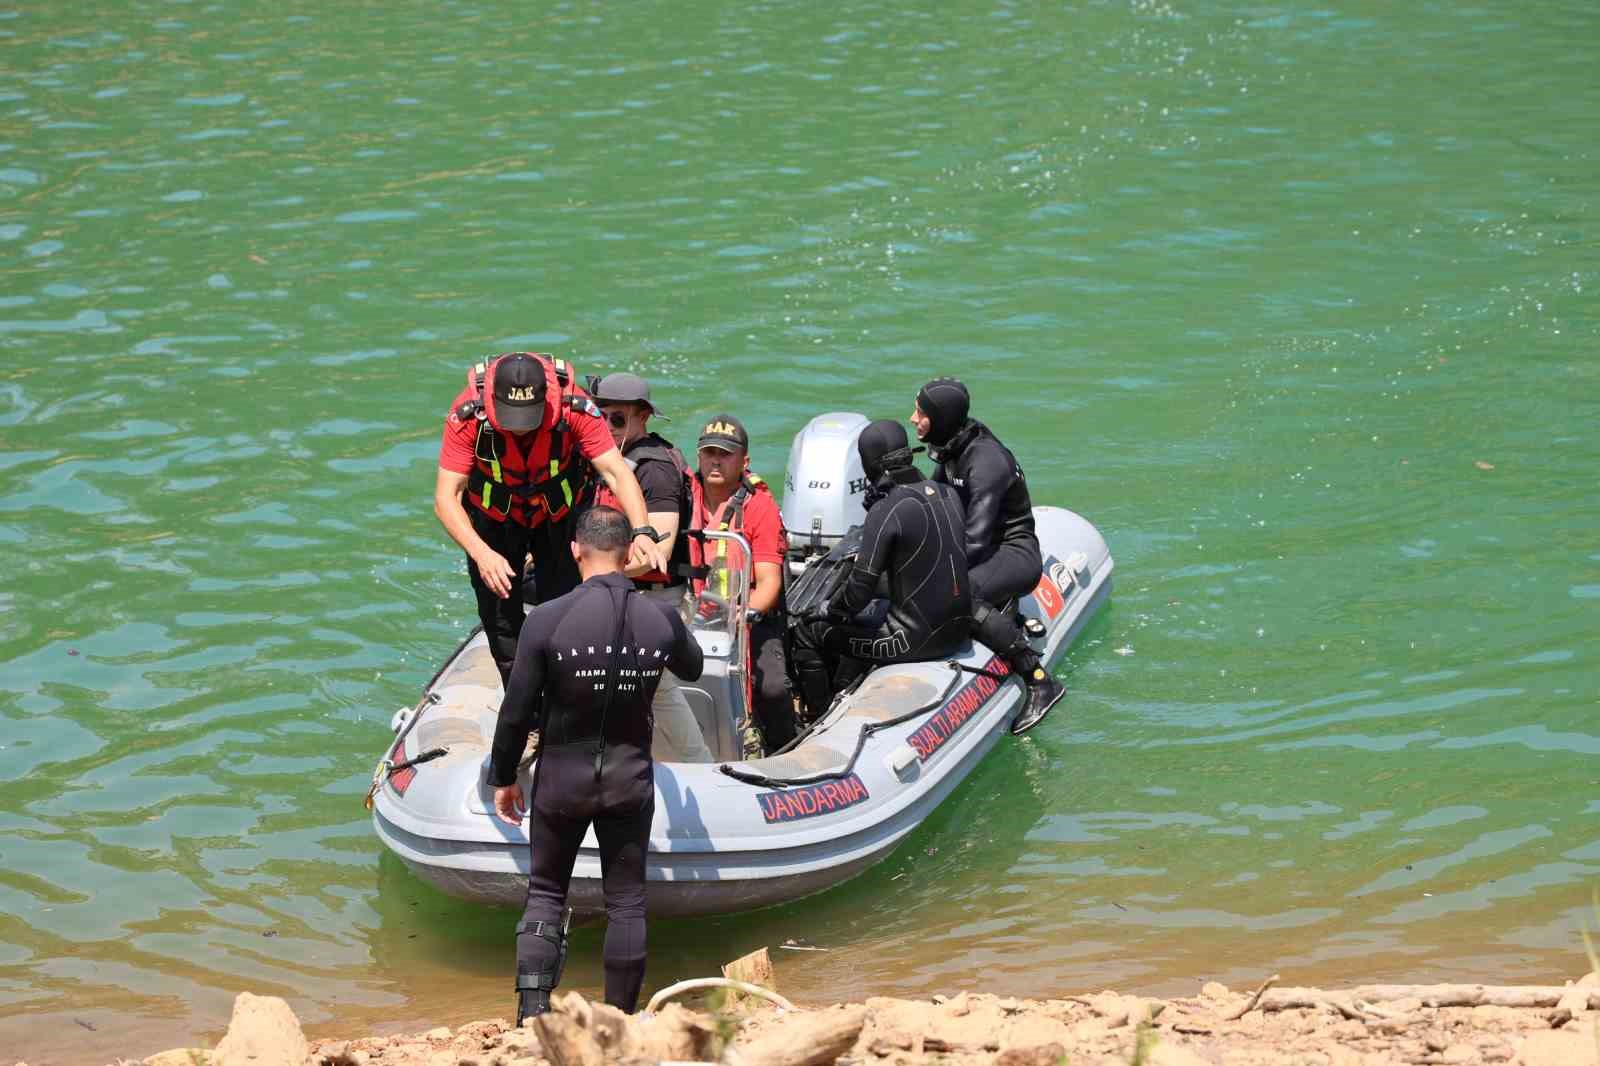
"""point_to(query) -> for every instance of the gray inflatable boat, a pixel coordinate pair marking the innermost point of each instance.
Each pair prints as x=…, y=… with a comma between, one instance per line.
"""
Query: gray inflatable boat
x=735, y=834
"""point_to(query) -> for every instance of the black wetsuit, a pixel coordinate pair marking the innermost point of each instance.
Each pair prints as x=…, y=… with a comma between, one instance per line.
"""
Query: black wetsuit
x=559, y=684
x=913, y=536
x=1002, y=548
x=1001, y=544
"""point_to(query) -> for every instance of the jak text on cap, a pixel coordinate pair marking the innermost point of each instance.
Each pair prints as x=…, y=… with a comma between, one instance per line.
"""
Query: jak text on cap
x=518, y=392
x=725, y=432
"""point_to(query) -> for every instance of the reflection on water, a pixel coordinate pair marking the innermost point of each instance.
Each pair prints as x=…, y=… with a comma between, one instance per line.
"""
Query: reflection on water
x=1319, y=368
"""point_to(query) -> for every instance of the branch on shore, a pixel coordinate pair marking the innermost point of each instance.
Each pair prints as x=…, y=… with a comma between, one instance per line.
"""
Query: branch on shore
x=1357, y=1002
x=715, y=982
x=1234, y=1016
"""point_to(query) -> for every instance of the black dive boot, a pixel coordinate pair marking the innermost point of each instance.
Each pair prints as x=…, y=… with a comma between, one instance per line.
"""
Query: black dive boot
x=999, y=630
x=1043, y=693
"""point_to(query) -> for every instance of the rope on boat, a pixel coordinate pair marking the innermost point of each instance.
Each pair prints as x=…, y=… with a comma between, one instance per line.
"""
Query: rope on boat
x=990, y=674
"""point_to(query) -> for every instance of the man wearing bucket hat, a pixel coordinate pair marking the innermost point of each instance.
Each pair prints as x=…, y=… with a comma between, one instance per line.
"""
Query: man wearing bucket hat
x=664, y=477
x=515, y=467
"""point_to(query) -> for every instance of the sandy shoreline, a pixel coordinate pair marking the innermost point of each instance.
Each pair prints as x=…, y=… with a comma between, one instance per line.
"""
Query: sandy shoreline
x=1450, y=1025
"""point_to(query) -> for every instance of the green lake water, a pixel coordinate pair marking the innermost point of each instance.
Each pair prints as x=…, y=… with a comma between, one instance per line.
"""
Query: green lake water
x=1295, y=302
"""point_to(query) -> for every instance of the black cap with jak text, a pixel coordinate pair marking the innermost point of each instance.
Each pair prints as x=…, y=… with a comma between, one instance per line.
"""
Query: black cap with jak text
x=518, y=390
x=725, y=432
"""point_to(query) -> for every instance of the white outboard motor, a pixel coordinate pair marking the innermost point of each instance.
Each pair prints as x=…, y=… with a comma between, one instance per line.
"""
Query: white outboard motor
x=824, y=487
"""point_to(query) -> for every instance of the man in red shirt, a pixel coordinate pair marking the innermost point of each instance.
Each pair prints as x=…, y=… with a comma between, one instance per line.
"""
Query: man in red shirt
x=517, y=448
x=728, y=497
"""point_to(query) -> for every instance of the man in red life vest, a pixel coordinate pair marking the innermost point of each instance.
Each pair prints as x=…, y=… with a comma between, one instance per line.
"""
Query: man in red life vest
x=664, y=477
x=517, y=447
x=728, y=497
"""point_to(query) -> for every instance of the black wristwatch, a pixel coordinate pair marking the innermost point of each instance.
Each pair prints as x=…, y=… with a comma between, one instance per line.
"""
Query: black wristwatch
x=648, y=531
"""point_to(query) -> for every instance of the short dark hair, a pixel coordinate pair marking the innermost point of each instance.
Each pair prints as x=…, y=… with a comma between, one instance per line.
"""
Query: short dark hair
x=603, y=529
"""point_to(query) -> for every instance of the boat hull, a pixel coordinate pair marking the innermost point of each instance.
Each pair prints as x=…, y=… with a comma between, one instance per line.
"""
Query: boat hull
x=877, y=765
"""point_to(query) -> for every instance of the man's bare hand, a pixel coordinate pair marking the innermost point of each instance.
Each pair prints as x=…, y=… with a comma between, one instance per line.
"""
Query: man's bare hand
x=509, y=805
x=496, y=572
x=647, y=553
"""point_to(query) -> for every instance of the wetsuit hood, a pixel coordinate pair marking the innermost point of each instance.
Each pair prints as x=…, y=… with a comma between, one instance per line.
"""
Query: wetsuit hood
x=885, y=458
x=883, y=447
x=945, y=401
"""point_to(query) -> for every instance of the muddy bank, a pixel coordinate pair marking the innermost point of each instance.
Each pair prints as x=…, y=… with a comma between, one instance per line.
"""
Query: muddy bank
x=1458, y=1025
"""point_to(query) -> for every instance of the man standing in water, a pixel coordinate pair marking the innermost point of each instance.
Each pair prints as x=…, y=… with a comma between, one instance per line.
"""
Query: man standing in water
x=586, y=670
x=517, y=448
x=1003, y=554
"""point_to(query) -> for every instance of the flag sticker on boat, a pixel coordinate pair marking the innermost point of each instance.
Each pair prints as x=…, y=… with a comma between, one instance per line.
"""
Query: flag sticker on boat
x=947, y=721
x=1048, y=591
x=792, y=804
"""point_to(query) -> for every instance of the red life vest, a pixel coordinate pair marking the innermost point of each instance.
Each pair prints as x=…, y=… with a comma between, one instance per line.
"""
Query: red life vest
x=548, y=479
x=652, y=448
x=709, y=561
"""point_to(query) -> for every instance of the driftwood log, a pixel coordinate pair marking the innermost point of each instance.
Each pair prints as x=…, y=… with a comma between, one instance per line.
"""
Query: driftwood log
x=578, y=1033
x=752, y=969
x=809, y=1039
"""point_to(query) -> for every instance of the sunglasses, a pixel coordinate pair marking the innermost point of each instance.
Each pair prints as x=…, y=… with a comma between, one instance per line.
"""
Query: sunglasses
x=617, y=419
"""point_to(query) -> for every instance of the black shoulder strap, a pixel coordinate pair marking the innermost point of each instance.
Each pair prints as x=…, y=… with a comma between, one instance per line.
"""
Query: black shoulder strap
x=619, y=606
x=735, y=515
x=486, y=437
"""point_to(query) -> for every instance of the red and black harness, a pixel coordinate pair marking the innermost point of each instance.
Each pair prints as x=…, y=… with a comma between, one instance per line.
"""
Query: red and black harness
x=494, y=488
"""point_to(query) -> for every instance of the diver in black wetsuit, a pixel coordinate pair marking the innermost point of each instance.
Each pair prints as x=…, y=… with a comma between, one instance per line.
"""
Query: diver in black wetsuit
x=586, y=670
x=1002, y=547
x=912, y=538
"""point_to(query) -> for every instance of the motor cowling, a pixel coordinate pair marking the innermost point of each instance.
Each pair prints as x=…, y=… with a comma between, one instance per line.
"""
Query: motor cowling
x=824, y=487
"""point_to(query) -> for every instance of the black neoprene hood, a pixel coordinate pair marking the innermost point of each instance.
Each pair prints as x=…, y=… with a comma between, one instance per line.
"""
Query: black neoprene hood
x=876, y=444
x=945, y=401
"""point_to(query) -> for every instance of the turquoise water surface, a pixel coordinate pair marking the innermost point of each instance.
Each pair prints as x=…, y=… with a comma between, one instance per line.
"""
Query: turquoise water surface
x=1295, y=302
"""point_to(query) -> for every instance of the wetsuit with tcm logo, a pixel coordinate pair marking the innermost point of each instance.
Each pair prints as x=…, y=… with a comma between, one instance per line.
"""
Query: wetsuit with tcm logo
x=752, y=511
x=587, y=667
x=523, y=491
x=913, y=539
